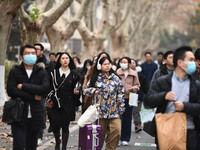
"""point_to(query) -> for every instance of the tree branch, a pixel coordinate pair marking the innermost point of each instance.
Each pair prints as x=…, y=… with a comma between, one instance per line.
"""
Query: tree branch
x=73, y=25
x=23, y=15
x=52, y=15
x=128, y=10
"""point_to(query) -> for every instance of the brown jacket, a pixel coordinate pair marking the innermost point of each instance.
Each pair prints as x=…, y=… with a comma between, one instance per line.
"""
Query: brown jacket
x=130, y=81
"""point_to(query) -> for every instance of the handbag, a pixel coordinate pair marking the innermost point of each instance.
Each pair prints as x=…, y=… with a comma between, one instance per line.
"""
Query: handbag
x=150, y=127
x=48, y=100
x=13, y=110
x=171, y=131
x=90, y=115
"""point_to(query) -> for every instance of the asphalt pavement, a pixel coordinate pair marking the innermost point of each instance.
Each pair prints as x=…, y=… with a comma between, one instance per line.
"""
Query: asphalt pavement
x=139, y=141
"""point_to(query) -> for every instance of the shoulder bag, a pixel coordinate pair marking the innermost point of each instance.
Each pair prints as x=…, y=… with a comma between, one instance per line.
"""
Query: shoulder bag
x=13, y=110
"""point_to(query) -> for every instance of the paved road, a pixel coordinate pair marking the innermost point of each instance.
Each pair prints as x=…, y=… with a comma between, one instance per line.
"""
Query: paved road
x=48, y=141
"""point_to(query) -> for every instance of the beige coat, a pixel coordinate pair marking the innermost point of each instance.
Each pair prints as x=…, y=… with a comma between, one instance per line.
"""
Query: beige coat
x=130, y=81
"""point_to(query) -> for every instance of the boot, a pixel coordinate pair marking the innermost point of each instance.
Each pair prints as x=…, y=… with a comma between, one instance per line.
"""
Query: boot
x=57, y=138
x=65, y=137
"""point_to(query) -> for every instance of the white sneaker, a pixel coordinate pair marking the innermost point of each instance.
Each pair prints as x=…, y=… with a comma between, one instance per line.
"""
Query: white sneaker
x=119, y=144
x=39, y=141
x=124, y=143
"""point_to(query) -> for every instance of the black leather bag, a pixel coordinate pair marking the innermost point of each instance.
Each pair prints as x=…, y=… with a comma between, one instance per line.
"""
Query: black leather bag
x=13, y=111
x=150, y=127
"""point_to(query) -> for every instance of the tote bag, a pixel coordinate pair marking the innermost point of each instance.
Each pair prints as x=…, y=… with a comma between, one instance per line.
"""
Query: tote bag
x=171, y=131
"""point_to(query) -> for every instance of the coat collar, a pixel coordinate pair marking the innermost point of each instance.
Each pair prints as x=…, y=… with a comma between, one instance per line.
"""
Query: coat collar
x=130, y=72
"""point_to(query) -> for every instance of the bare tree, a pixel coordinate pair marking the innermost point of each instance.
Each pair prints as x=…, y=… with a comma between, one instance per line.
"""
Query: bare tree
x=8, y=12
x=64, y=28
x=94, y=32
x=36, y=25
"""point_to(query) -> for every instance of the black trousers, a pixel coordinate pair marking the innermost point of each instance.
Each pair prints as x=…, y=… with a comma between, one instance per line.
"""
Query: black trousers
x=191, y=140
x=24, y=137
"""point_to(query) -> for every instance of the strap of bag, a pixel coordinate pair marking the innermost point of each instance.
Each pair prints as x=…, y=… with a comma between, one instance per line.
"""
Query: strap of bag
x=61, y=84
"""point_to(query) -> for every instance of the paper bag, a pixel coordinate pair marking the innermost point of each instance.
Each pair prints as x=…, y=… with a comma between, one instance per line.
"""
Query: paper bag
x=171, y=131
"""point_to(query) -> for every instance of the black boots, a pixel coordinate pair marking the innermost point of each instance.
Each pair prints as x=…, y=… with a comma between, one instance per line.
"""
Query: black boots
x=65, y=137
x=57, y=138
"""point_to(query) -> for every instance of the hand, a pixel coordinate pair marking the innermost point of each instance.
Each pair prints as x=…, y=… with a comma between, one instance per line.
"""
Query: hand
x=170, y=96
x=130, y=89
x=133, y=89
x=19, y=86
x=38, y=98
x=179, y=106
x=121, y=112
x=76, y=91
x=96, y=92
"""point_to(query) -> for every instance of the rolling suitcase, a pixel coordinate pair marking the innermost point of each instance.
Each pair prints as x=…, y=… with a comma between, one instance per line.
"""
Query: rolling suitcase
x=90, y=138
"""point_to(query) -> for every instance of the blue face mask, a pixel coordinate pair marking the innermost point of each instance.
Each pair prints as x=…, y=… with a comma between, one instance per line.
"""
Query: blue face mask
x=29, y=59
x=191, y=67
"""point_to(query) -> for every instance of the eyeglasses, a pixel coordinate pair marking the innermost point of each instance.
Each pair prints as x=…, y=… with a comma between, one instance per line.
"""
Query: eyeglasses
x=38, y=49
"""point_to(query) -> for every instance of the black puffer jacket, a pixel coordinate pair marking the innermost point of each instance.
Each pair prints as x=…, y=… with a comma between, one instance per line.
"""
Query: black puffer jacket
x=37, y=84
x=158, y=90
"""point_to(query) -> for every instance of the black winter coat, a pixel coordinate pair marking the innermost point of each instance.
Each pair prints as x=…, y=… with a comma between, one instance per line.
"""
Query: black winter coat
x=143, y=86
x=65, y=94
x=158, y=90
x=37, y=84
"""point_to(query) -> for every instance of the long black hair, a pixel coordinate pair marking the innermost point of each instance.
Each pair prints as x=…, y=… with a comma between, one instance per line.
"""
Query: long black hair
x=96, y=71
x=85, y=63
x=71, y=62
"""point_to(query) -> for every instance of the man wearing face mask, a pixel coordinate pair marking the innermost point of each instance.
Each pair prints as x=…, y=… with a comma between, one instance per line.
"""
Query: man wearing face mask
x=179, y=91
x=28, y=82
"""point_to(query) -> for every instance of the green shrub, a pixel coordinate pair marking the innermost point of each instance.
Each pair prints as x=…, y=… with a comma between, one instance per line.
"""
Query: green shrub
x=8, y=67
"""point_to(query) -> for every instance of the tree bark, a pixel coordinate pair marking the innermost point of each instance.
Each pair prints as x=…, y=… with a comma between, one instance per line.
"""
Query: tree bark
x=61, y=31
x=36, y=28
x=8, y=12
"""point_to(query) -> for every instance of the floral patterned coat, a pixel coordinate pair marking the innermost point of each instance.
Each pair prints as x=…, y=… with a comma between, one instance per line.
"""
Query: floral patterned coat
x=110, y=97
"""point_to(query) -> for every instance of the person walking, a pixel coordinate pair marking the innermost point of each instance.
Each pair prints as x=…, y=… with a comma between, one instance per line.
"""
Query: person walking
x=143, y=90
x=180, y=92
x=64, y=78
x=87, y=65
x=28, y=82
x=166, y=68
x=109, y=91
x=196, y=75
x=131, y=83
x=148, y=67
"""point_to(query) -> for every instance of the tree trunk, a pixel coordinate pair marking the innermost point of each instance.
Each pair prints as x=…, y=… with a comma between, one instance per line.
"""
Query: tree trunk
x=56, y=40
x=8, y=10
x=92, y=48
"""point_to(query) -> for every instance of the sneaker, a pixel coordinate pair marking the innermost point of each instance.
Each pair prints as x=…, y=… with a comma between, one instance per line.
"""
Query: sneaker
x=119, y=144
x=124, y=143
x=138, y=128
x=39, y=142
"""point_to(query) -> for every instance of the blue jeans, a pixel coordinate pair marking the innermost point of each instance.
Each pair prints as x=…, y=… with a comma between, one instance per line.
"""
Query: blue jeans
x=126, y=119
x=24, y=137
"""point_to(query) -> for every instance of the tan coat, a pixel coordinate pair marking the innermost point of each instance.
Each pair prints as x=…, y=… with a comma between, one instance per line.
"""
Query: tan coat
x=130, y=81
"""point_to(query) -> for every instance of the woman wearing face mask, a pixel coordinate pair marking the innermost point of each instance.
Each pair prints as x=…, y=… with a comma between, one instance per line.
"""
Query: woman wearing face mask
x=87, y=65
x=110, y=95
x=63, y=110
x=131, y=84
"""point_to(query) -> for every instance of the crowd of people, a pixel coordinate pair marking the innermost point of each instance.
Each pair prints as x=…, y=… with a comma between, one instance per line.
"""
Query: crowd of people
x=169, y=84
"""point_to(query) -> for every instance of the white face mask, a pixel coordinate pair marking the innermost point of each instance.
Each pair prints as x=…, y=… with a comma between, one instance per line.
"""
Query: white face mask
x=88, y=67
x=123, y=66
